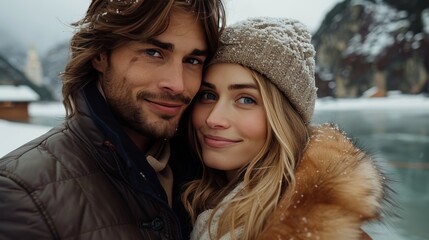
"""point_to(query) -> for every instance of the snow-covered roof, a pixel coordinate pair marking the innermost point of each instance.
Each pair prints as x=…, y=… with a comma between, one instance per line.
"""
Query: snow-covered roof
x=21, y=93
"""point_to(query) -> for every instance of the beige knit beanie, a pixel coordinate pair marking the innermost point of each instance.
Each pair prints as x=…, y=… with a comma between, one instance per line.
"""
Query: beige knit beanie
x=278, y=48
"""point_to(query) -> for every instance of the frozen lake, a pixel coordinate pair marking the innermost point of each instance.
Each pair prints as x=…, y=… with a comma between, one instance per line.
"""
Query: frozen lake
x=400, y=139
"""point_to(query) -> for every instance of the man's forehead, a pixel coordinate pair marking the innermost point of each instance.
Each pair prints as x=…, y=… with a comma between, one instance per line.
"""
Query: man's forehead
x=183, y=31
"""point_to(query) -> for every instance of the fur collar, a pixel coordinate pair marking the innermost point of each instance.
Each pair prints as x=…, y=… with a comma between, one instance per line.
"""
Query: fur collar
x=338, y=189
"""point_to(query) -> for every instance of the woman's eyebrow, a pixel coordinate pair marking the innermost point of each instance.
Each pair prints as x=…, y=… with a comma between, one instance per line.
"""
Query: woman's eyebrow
x=208, y=85
x=242, y=86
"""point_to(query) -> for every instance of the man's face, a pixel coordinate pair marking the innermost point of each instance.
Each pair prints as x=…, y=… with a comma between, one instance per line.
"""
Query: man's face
x=149, y=84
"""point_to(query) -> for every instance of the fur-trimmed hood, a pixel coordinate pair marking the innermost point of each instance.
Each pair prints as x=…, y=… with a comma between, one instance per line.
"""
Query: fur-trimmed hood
x=338, y=189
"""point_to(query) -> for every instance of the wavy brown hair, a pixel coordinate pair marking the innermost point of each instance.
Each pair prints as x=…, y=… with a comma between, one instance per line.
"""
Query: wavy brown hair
x=265, y=177
x=110, y=24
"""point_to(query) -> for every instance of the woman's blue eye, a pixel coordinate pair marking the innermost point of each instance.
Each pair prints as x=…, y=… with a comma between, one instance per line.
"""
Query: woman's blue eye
x=209, y=96
x=206, y=97
x=246, y=100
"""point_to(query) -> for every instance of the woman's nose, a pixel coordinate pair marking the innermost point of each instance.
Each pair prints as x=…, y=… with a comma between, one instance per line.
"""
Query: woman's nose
x=218, y=117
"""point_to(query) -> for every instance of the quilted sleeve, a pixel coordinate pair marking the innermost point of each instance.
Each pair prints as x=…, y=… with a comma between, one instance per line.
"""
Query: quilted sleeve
x=21, y=214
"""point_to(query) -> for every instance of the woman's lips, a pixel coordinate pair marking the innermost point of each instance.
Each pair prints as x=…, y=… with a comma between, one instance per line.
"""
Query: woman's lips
x=218, y=142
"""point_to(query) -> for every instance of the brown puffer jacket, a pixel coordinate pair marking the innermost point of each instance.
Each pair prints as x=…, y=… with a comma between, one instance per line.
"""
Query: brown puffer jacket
x=72, y=183
x=339, y=188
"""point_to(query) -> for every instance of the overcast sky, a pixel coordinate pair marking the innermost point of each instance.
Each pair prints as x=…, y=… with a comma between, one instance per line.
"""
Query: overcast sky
x=42, y=23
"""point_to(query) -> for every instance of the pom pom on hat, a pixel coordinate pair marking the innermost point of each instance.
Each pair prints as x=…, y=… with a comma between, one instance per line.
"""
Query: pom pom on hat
x=279, y=49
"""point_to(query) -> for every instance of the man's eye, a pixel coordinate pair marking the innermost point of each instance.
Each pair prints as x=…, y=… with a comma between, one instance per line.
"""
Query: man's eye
x=246, y=100
x=194, y=61
x=153, y=53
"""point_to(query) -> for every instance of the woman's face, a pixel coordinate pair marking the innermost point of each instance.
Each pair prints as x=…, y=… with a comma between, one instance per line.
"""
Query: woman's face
x=229, y=118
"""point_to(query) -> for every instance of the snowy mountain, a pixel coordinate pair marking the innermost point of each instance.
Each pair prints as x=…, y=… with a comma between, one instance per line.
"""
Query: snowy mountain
x=11, y=48
x=10, y=75
x=53, y=64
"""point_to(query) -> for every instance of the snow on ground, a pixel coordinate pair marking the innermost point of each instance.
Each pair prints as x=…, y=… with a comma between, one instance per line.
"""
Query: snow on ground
x=393, y=102
x=13, y=135
x=53, y=109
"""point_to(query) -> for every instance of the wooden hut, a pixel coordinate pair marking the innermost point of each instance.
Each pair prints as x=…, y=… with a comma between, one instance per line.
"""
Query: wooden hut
x=14, y=101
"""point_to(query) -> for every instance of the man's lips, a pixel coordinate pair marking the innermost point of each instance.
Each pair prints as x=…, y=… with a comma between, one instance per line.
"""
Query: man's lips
x=218, y=142
x=165, y=108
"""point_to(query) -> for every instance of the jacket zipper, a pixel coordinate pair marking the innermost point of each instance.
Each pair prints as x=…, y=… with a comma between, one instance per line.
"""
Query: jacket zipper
x=154, y=198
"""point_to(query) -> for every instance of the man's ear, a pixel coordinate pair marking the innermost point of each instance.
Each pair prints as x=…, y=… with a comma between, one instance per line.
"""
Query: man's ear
x=100, y=62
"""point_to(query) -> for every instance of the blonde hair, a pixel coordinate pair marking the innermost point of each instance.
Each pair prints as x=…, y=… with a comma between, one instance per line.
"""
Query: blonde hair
x=265, y=177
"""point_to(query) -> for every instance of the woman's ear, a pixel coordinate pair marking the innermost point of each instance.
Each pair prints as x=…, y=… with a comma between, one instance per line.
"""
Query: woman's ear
x=100, y=62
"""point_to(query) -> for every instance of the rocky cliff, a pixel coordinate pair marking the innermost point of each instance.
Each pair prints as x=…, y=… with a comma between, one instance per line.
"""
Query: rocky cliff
x=369, y=47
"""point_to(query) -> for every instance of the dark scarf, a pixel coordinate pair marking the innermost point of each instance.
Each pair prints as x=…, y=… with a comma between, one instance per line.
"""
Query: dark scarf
x=136, y=163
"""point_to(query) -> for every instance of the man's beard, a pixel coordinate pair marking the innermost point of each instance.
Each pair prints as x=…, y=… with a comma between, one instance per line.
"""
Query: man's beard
x=125, y=108
x=133, y=118
x=130, y=115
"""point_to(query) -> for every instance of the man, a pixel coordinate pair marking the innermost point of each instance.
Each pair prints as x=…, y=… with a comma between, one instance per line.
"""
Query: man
x=135, y=66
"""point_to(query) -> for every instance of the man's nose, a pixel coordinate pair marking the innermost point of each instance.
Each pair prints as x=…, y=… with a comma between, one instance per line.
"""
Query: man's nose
x=173, y=80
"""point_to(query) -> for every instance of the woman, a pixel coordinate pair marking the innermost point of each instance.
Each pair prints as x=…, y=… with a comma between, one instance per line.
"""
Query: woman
x=267, y=172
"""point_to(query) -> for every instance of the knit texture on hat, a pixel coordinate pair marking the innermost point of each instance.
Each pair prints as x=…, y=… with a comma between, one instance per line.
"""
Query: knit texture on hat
x=278, y=48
